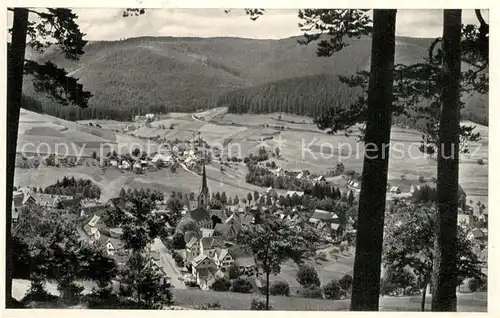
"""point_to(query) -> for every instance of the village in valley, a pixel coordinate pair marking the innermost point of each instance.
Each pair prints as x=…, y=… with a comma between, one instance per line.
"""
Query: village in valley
x=197, y=244
x=232, y=173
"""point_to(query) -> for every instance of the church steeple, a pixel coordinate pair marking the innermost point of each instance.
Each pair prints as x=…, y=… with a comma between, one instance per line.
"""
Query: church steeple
x=204, y=186
x=204, y=195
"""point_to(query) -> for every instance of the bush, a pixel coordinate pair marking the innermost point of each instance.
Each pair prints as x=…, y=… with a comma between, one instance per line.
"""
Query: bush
x=333, y=290
x=259, y=304
x=421, y=179
x=221, y=284
x=280, y=288
x=234, y=272
x=191, y=283
x=241, y=285
x=311, y=291
x=307, y=276
x=478, y=284
x=480, y=161
x=346, y=282
x=178, y=241
x=398, y=281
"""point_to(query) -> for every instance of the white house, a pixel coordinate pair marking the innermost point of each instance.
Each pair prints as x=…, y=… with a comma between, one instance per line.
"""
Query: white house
x=114, y=246
x=137, y=166
x=203, y=269
x=323, y=216
x=192, y=249
x=223, y=260
x=94, y=234
x=280, y=172
x=464, y=219
x=300, y=175
x=320, y=179
x=125, y=165
x=164, y=158
x=476, y=234
x=291, y=193
x=395, y=190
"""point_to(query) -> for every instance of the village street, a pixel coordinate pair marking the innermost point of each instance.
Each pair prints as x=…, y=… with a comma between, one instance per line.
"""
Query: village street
x=168, y=264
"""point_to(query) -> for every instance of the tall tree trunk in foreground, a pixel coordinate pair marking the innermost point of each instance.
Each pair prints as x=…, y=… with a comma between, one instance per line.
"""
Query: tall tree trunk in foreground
x=424, y=291
x=445, y=262
x=267, y=290
x=367, y=262
x=15, y=64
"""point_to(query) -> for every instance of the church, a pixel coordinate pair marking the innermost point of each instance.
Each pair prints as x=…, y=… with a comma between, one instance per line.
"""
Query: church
x=202, y=214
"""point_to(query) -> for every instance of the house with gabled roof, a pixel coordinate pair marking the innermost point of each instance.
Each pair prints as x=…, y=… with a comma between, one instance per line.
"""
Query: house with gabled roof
x=321, y=180
x=292, y=193
x=227, y=230
x=203, y=269
x=208, y=245
x=322, y=215
x=192, y=248
x=94, y=228
x=477, y=234
x=15, y=213
x=113, y=245
x=116, y=232
x=395, y=190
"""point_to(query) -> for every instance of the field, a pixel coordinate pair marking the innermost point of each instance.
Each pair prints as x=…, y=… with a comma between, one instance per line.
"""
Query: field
x=302, y=146
x=190, y=298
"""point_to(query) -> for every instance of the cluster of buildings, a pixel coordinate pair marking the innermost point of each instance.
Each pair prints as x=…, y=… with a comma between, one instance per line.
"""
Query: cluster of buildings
x=474, y=220
x=27, y=198
x=212, y=254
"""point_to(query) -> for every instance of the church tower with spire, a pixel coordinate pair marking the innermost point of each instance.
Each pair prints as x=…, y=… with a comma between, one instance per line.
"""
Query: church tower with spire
x=204, y=195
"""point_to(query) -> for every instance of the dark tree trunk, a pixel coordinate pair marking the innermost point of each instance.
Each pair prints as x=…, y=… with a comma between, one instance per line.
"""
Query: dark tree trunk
x=424, y=292
x=445, y=262
x=15, y=64
x=367, y=262
x=267, y=290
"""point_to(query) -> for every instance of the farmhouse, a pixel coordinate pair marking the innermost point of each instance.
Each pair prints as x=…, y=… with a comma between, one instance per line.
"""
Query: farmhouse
x=323, y=216
x=292, y=193
x=395, y=190
x=163, y=158
x=47, y=200
x=89, y=206
x=94, y=227
x=116, y=232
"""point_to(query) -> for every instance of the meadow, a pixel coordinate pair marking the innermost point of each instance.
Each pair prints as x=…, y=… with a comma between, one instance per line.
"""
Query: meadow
x=303, y=147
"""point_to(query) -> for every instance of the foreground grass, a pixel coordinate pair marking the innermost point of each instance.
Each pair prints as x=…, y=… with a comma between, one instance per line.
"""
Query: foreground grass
x=236, y=301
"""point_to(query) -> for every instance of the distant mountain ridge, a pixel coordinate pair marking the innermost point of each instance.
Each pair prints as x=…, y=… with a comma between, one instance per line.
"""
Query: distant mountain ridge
x=161, y=74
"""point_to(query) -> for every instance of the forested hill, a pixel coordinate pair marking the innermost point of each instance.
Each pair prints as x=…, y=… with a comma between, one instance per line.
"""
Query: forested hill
x=306, y=95
x=162, y=74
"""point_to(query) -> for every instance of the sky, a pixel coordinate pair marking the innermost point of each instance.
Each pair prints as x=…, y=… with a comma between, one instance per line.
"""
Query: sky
x=109, y=24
